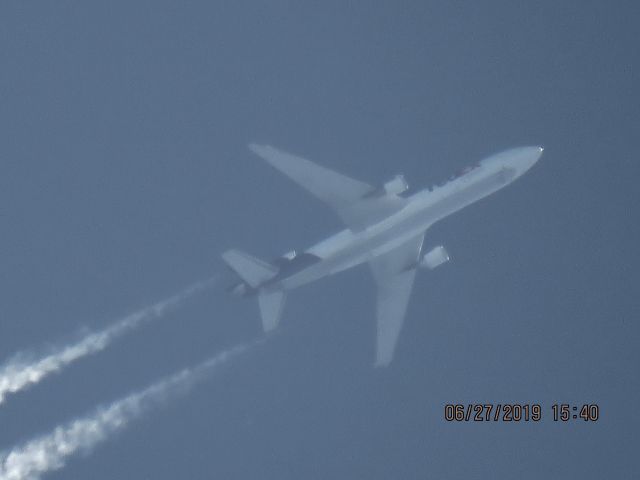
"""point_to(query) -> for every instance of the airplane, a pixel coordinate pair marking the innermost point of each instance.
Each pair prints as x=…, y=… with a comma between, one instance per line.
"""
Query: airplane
x=384, y=228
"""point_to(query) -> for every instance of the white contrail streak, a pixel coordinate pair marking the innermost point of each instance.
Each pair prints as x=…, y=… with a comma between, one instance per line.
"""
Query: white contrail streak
x=21, y=371
x=49, y=452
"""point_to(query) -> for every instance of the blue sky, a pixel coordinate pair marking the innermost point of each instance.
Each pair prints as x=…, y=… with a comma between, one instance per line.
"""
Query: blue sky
x=125, y=174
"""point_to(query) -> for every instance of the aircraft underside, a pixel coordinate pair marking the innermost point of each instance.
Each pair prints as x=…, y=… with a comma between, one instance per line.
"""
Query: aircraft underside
x=384, y=229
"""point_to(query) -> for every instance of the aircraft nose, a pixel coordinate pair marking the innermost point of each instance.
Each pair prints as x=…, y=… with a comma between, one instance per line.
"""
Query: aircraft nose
x=528, y=157
x=516, y=160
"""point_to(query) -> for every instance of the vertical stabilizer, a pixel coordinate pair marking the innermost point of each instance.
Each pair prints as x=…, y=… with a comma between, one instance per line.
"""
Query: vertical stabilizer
x=271, y=305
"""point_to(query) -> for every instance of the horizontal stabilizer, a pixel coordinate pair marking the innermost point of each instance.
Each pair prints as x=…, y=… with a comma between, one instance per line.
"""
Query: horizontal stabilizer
x=250, y=269
x=271, y=305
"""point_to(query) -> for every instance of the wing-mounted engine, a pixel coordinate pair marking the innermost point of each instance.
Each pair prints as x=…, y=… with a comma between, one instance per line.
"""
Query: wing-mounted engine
x=434, y=258
x=395, y=186
x=290, y=255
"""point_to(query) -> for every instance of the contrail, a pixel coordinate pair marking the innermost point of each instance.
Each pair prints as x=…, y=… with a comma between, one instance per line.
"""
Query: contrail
x=49, y=452
x=22, y=371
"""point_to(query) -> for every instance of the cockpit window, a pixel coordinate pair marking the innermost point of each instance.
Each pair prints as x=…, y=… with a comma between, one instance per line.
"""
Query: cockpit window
x=459, y=174
x=466, y=170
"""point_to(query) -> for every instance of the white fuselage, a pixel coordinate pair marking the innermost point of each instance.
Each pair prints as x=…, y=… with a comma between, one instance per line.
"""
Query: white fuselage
x=349, y=248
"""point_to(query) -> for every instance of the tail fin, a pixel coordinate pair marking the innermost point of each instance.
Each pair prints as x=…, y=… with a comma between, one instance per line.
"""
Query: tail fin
x=250, y=269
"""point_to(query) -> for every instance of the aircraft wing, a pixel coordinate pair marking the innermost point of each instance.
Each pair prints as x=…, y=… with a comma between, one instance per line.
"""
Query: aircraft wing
x=352, y=200
x=394, y=273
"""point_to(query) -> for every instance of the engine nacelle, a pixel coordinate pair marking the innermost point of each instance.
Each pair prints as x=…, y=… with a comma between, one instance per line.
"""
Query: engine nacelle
x=434, y=258
x=396, y=185
x=290, y=255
